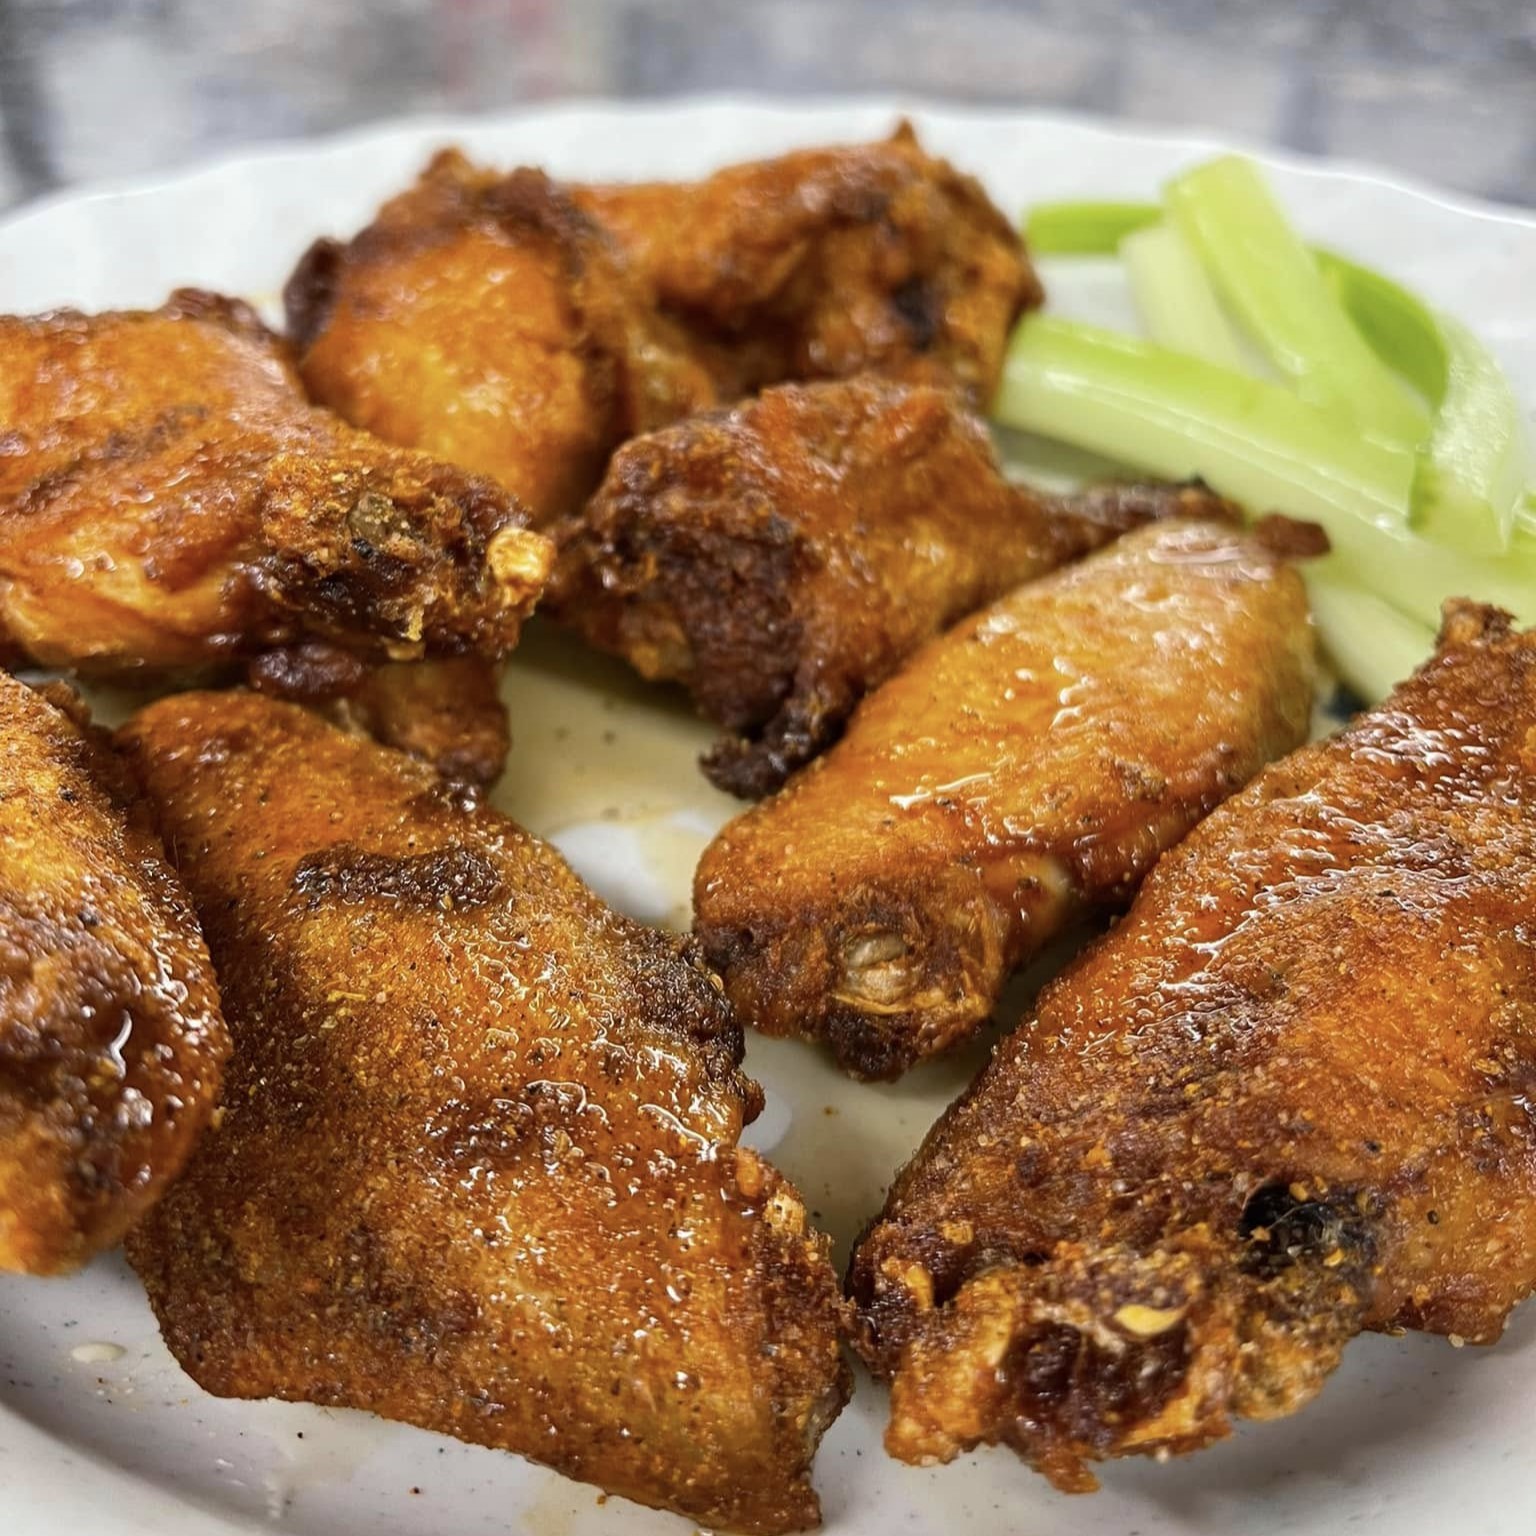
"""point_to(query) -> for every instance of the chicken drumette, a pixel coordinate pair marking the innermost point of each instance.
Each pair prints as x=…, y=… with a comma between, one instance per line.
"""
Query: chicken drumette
x=488, y=319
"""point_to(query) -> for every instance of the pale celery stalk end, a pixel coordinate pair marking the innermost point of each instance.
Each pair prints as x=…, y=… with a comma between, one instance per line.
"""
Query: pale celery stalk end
x=1472, y=475
x=1175, y=299
x=1370, y=644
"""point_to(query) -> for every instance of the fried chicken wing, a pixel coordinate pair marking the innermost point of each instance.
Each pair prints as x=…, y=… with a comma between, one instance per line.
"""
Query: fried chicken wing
x=866, y=258
x=782, y=559
x=1023, y=770
x=1287, y=1098
x=170, y=501
x=478, y=1166
x=487, y=319
x=111, y=1039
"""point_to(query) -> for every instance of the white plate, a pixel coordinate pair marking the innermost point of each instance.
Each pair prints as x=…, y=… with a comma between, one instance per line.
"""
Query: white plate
x=1410, y=1436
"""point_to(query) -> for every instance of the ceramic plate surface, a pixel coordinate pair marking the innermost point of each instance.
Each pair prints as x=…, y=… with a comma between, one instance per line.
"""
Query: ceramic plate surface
x=99, y=1430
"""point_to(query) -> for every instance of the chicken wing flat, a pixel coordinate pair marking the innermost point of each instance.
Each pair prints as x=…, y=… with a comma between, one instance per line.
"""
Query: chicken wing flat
x=1023, y=770
x=478, y=1166
x=1287, y=1098
x=111, y=1039
x=485, y=318
x=867, y=258
x=782, y=559
x=170, y=501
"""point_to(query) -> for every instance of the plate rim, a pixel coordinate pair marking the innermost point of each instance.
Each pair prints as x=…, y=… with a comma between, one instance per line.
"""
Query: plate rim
x=363, y=137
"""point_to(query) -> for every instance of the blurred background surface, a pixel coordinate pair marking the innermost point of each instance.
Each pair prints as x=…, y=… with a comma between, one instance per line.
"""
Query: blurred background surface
x=1441, y=88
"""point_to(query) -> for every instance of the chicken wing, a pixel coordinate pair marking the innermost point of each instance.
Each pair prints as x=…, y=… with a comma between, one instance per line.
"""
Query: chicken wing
x=170, y=501
x=868, y=258
x=111, y=1039
x=478, y=1166
x=487, y=319
x=784, y=558
x=1024, y=769
x=1287, y=1098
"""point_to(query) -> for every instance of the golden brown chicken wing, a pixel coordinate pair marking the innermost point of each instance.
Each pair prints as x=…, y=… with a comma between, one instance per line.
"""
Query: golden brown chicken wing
x=169, y=501
x=485, y=318
x=782, y=559
x=866, y=258
x=1024, y=769
x=478, y=1167
x=111, y=1039
x=1287, y=1098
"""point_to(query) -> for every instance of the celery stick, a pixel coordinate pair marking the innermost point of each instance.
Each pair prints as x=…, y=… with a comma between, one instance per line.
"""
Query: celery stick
x=1416, y=576
x=1177, y=303
x=1472, y=475
x=1398, y=326
x=1177, y=416
x=1085, y=229
x=1372, y=646
x=1272, y=284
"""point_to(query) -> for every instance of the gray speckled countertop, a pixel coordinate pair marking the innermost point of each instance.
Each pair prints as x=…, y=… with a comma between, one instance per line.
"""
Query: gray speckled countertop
x=1442, y=88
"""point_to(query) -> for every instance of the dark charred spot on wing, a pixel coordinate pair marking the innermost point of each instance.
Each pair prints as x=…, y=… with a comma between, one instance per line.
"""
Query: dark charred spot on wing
x=1284, y=1225
x=1291, y=538
x=233, y=315
x=115, y=448
x=311, y=671
x=1120, y=505
x=1067, y=1387
x=527, y=202
x=449, y=879
x=921, y=308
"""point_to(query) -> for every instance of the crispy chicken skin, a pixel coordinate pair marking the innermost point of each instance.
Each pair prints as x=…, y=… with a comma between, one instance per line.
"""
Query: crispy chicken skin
x=1023, y=770
x=170, y=501
x=448, y=713
x=478, y=1167
x=485, y=318
x=111, y=1039
x=781, y=559
x=1287, y=1098
x=824, y=263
